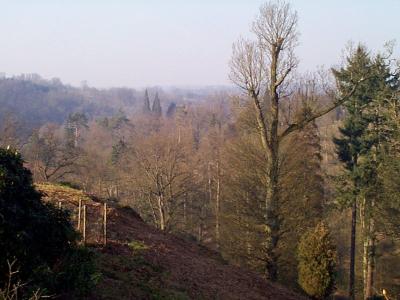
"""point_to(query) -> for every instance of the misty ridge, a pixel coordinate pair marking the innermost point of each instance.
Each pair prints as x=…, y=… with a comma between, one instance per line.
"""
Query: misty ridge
x=276, y=183
x=35, y=101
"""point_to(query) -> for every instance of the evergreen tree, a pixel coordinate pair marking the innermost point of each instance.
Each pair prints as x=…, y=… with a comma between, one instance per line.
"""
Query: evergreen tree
x=37, y=235
x=363, y=138
x=117, y=150
x=317, y=262
x=146, y=104
x=171, y=110
x=302, y=194
x=377, y=139
x=156, y=108
x=350, y=145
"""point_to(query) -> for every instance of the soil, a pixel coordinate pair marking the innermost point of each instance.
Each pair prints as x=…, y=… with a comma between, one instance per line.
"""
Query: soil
x=142, y=262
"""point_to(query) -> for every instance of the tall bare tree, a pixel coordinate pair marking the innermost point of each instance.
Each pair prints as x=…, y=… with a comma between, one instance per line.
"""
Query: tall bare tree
x=262, y=68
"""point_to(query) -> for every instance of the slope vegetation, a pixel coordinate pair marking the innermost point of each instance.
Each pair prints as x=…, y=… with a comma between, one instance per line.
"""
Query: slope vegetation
x=141, y=262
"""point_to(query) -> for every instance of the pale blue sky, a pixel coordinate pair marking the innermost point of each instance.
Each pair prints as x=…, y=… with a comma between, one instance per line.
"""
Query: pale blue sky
x=171, y=42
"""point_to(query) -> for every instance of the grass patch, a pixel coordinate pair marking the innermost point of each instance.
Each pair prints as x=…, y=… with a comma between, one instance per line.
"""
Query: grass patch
x=137, y=247
x=57, y=192
x=133, y=277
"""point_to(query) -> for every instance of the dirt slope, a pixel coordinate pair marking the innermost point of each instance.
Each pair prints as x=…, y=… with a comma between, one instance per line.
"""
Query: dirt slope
x=141, y=262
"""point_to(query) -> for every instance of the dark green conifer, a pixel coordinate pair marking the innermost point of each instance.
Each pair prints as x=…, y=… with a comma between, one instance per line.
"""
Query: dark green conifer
x=156, y=109
x=146, y=104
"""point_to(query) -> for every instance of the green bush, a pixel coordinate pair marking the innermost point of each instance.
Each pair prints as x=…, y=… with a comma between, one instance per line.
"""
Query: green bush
x=317, y=262
x=79, y=272
x=38, y=236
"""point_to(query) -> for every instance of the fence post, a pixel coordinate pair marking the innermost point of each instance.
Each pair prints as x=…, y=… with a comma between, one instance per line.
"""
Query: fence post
x=79, y=214
x=59, y=204
x=84, y=224
x=105, y=224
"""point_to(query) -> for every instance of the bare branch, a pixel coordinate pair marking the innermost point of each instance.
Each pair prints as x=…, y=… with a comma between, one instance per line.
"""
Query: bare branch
x=303, y=122
x=247, y=66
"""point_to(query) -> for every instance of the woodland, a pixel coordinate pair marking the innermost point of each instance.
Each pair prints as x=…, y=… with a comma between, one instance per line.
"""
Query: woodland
x=293, y=176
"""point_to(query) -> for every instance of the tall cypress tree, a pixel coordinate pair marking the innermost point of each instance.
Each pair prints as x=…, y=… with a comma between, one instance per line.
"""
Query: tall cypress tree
x=156, y=109
x=146, y=104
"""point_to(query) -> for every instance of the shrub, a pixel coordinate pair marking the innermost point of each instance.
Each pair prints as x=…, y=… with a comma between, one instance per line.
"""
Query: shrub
x=13, y=286
x=317, y=262
x=37, y=235
x=79, y=273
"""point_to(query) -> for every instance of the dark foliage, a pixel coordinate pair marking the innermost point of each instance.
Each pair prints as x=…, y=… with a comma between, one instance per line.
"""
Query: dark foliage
x=35, y=234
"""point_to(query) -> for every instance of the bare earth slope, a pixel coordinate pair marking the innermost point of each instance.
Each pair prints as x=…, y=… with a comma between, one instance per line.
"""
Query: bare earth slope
x=141, y=262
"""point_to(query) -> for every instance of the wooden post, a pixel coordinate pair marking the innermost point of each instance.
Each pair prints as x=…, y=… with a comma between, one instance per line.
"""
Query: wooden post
x=105, y=224
x=59, y=204
x=84, y=224
x=79, y=214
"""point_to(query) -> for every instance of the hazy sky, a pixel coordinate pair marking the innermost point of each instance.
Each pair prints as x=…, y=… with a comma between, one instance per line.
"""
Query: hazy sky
x=140, y=43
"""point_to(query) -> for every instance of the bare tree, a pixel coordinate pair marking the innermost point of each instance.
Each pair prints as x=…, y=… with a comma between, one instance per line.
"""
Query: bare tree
x=161, y=176
x=9, y=135
x=262, y=69
x=48, y=156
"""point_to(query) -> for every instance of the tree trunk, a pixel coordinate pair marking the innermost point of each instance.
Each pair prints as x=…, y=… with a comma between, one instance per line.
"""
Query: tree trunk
x=271, y=203
x=365, y=264
x=209, y=183
x=247, y=225
x=184, y=212
x=152, y=210
x=364, y=227
x=370, y=268
x=272, y=223
x=200, y=232
x=370, y=253
x=161, y=212
x=352, y=250
x=217, y=209
x=76, y=137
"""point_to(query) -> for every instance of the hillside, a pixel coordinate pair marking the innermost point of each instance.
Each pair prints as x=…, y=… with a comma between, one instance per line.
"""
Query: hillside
x=34, y=101
x=141, y=262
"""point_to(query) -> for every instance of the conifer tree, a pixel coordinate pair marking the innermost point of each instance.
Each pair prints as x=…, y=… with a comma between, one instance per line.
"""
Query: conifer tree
x=171, y=110
x=378, y=136
x=350, y=144
x=156, y=108
x=302, y=193
x=317, y=262
x=146, y=104
x=360, y=146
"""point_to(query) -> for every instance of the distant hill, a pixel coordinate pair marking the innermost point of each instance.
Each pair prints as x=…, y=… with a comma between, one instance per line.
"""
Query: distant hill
x=141, y=262
x=37, y=101
x=34, y=101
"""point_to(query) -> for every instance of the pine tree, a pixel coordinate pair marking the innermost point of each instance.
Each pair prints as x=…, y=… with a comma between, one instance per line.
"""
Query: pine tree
x=350, y=145
x=378, y=136
x=363, y=135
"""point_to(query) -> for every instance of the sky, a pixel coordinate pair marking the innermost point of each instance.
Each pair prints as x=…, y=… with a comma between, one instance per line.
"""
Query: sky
x=139, y=43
